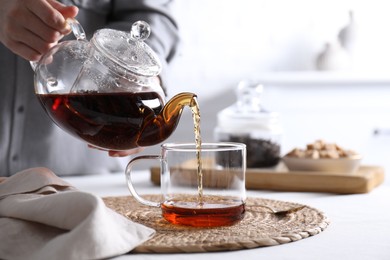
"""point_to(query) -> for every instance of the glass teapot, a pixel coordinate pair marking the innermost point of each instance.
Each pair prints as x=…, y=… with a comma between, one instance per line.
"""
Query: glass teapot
x=106, y=91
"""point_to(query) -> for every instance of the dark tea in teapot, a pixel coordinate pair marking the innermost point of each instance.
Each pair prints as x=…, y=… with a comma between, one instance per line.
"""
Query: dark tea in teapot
x=113, y=121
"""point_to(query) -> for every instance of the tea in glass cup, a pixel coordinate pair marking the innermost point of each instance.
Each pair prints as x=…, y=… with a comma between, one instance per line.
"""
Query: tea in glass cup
x=201, y=187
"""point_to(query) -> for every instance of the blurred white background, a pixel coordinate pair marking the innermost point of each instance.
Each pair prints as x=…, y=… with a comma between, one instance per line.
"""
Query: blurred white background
x=224, y=41
x=277, y=42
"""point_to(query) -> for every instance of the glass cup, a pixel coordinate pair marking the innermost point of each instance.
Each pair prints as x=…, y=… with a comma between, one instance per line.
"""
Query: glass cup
x=206, y=194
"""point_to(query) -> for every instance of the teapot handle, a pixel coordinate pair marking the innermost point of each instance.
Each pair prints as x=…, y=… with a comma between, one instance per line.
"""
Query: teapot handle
x=34, y=65
x=77, y=30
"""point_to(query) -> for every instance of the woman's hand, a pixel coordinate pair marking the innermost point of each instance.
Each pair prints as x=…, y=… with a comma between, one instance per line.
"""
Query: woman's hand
x=29, y=28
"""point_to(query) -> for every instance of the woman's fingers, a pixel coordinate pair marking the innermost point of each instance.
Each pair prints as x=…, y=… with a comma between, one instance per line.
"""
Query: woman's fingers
x=31, y=28
x=66, y=11
x=45, y=12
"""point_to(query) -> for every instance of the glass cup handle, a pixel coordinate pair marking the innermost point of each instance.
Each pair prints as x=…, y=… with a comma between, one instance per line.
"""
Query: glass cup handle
x=130, y=183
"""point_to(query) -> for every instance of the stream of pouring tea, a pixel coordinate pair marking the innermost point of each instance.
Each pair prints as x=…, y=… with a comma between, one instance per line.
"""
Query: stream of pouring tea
x=198, y=143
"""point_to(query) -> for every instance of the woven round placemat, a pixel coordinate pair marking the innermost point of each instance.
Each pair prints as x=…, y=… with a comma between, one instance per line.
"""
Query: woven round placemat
x=259, y=227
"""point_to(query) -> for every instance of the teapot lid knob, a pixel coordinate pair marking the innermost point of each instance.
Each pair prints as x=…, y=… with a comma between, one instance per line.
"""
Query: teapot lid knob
x=140, y=31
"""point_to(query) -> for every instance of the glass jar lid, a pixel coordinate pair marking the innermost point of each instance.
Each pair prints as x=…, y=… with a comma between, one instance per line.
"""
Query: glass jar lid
x=124, y=52
x=248, y=114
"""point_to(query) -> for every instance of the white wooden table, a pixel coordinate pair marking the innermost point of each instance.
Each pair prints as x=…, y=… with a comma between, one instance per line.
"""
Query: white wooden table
x=359, y=229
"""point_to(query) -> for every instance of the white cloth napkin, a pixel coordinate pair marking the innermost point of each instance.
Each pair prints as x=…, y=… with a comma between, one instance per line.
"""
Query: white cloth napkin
x=43, y=217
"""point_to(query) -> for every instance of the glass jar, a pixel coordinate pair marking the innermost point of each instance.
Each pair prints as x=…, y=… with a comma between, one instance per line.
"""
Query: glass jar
x=248, y=122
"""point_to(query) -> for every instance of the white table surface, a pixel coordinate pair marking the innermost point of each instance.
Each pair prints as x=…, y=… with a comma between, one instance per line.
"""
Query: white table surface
x=359, y=228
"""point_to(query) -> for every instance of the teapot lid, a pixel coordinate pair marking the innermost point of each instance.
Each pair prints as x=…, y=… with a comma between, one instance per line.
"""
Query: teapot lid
x=123, y=51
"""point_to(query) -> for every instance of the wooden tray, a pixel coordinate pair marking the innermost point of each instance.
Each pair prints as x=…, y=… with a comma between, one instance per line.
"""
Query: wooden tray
x=279, y=178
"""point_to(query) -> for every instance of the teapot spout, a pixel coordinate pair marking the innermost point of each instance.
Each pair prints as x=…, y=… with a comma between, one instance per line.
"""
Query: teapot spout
x=174, y=107
x=163, y=125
